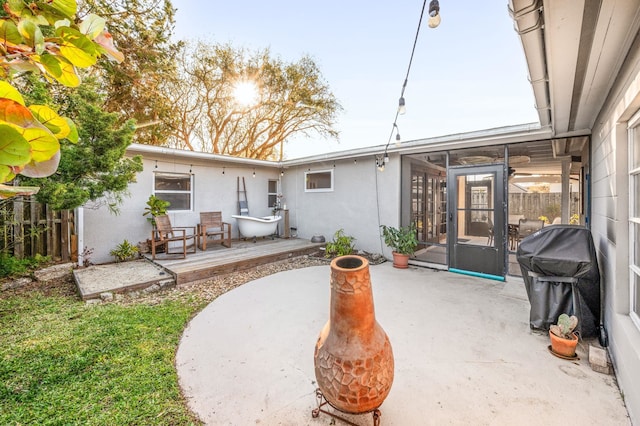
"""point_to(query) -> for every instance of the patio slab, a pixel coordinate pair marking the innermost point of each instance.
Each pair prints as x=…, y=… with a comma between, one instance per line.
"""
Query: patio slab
x=118, y=277
x=464, y=354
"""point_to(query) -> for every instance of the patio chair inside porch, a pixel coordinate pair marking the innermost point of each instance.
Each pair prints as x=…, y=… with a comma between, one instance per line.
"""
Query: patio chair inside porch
x=527, y=227
x=211, y=225
x=164, y=235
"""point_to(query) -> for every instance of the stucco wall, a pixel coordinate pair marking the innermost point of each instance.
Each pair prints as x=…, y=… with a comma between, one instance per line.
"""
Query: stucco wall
x=361, y=192
x=610, y=189
x=213, y=191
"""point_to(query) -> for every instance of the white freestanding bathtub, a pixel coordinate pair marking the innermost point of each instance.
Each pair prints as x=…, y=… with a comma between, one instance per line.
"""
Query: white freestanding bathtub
x=253, y=227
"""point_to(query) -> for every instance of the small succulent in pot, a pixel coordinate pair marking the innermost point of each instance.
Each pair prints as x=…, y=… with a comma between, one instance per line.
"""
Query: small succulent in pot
x=565, y=326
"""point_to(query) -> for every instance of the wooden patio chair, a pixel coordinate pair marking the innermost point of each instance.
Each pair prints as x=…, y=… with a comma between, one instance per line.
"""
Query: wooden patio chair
x=527, y=227
x=211, y=225
x=164, y=234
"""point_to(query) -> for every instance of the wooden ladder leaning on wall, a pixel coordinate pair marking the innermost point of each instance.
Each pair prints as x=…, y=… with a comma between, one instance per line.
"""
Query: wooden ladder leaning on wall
x=243, y=205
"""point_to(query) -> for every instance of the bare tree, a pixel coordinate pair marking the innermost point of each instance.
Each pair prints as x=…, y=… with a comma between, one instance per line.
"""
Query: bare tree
x=292, y=99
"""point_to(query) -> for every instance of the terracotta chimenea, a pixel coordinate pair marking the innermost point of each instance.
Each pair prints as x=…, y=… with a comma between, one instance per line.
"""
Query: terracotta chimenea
x=353, y=356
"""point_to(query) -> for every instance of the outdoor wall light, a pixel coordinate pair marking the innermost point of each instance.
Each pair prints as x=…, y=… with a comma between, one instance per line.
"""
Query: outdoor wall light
x=402, y=109
x=434, y=14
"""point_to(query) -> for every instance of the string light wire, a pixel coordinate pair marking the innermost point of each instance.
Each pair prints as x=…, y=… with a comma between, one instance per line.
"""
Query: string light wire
x=394, y=127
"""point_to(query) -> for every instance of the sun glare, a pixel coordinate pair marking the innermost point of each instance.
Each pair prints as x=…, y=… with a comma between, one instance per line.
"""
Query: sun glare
x=245, y=93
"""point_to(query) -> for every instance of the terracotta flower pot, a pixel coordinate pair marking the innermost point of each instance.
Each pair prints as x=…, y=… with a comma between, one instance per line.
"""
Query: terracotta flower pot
x=353, y=357
x=562, y=346
x=400, y=260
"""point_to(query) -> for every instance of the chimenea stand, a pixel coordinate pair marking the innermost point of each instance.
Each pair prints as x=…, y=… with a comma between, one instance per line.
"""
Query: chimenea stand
x=322, y=402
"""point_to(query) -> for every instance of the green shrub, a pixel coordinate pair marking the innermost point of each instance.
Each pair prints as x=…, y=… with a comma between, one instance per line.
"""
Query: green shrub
x=11, y=266
x=341, y=245
x=124, y=251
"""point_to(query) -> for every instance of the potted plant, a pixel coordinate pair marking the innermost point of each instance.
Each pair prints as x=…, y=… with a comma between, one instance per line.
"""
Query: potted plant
x=155, y=207
x=403, y=243
x=563, y=338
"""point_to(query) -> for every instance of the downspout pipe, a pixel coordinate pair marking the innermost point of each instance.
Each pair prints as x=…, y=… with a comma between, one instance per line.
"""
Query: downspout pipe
x=529, y=24
x=80, y=233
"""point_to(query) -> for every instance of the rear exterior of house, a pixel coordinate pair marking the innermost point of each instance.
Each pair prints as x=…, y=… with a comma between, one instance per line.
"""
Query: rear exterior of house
x=469, y=195
x=615, y=203
x=584, y=66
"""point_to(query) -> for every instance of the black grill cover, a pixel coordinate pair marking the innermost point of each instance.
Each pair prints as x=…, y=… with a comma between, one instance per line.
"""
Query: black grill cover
x=561, y=275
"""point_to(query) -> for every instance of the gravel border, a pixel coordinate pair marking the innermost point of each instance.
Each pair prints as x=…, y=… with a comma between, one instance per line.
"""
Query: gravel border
x=196, y=293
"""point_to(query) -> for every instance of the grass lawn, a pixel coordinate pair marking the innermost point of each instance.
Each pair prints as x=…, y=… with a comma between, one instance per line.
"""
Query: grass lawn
x=65, y=362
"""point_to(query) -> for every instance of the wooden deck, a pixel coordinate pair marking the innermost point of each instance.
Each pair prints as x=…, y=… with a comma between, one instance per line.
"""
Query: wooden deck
x=242, y=255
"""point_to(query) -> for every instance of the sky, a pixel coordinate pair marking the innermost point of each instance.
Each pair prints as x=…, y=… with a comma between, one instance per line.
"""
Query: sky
x=467, y=74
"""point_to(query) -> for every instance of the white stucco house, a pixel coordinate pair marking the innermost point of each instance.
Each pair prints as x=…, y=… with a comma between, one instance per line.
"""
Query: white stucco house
x=584, y=67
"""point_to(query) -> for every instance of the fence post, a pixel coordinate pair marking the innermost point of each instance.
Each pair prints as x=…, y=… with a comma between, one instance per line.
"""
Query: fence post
x=18, y=228
x=64, y=235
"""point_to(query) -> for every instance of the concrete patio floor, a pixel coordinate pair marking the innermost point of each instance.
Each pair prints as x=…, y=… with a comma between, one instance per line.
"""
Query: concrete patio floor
x=464, y=354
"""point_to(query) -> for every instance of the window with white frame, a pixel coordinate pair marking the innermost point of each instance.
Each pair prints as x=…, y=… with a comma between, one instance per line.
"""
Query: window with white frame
x=318, y=181
x=176, y=188
x=272, y=193
x=634, y=218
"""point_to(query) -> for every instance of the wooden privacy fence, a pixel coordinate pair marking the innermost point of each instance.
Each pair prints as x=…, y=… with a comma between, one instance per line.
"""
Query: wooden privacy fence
x=534, y=205
x=28, y=228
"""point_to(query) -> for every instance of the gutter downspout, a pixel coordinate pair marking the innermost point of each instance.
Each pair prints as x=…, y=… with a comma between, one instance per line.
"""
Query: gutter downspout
x=529, y=24
x=80, y=234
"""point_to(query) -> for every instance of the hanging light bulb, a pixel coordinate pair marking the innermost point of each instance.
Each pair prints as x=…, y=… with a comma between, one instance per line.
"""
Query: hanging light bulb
x=397, y=134
x=254, y=173
x=156, y=164
x=386, y=157
x=434, y=14
x=190, y=168
x=281, y=172
x=402, y=109
x=380, y=163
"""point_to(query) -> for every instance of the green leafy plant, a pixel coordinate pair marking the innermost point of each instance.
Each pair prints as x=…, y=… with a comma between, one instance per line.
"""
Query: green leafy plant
x=96, y=168
x=402, y=240
x=124, y=251
x=574, y=219
x=341, y=245
x=155, y=207
x=11, y=266
x=565, y=326
x=48, y=39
